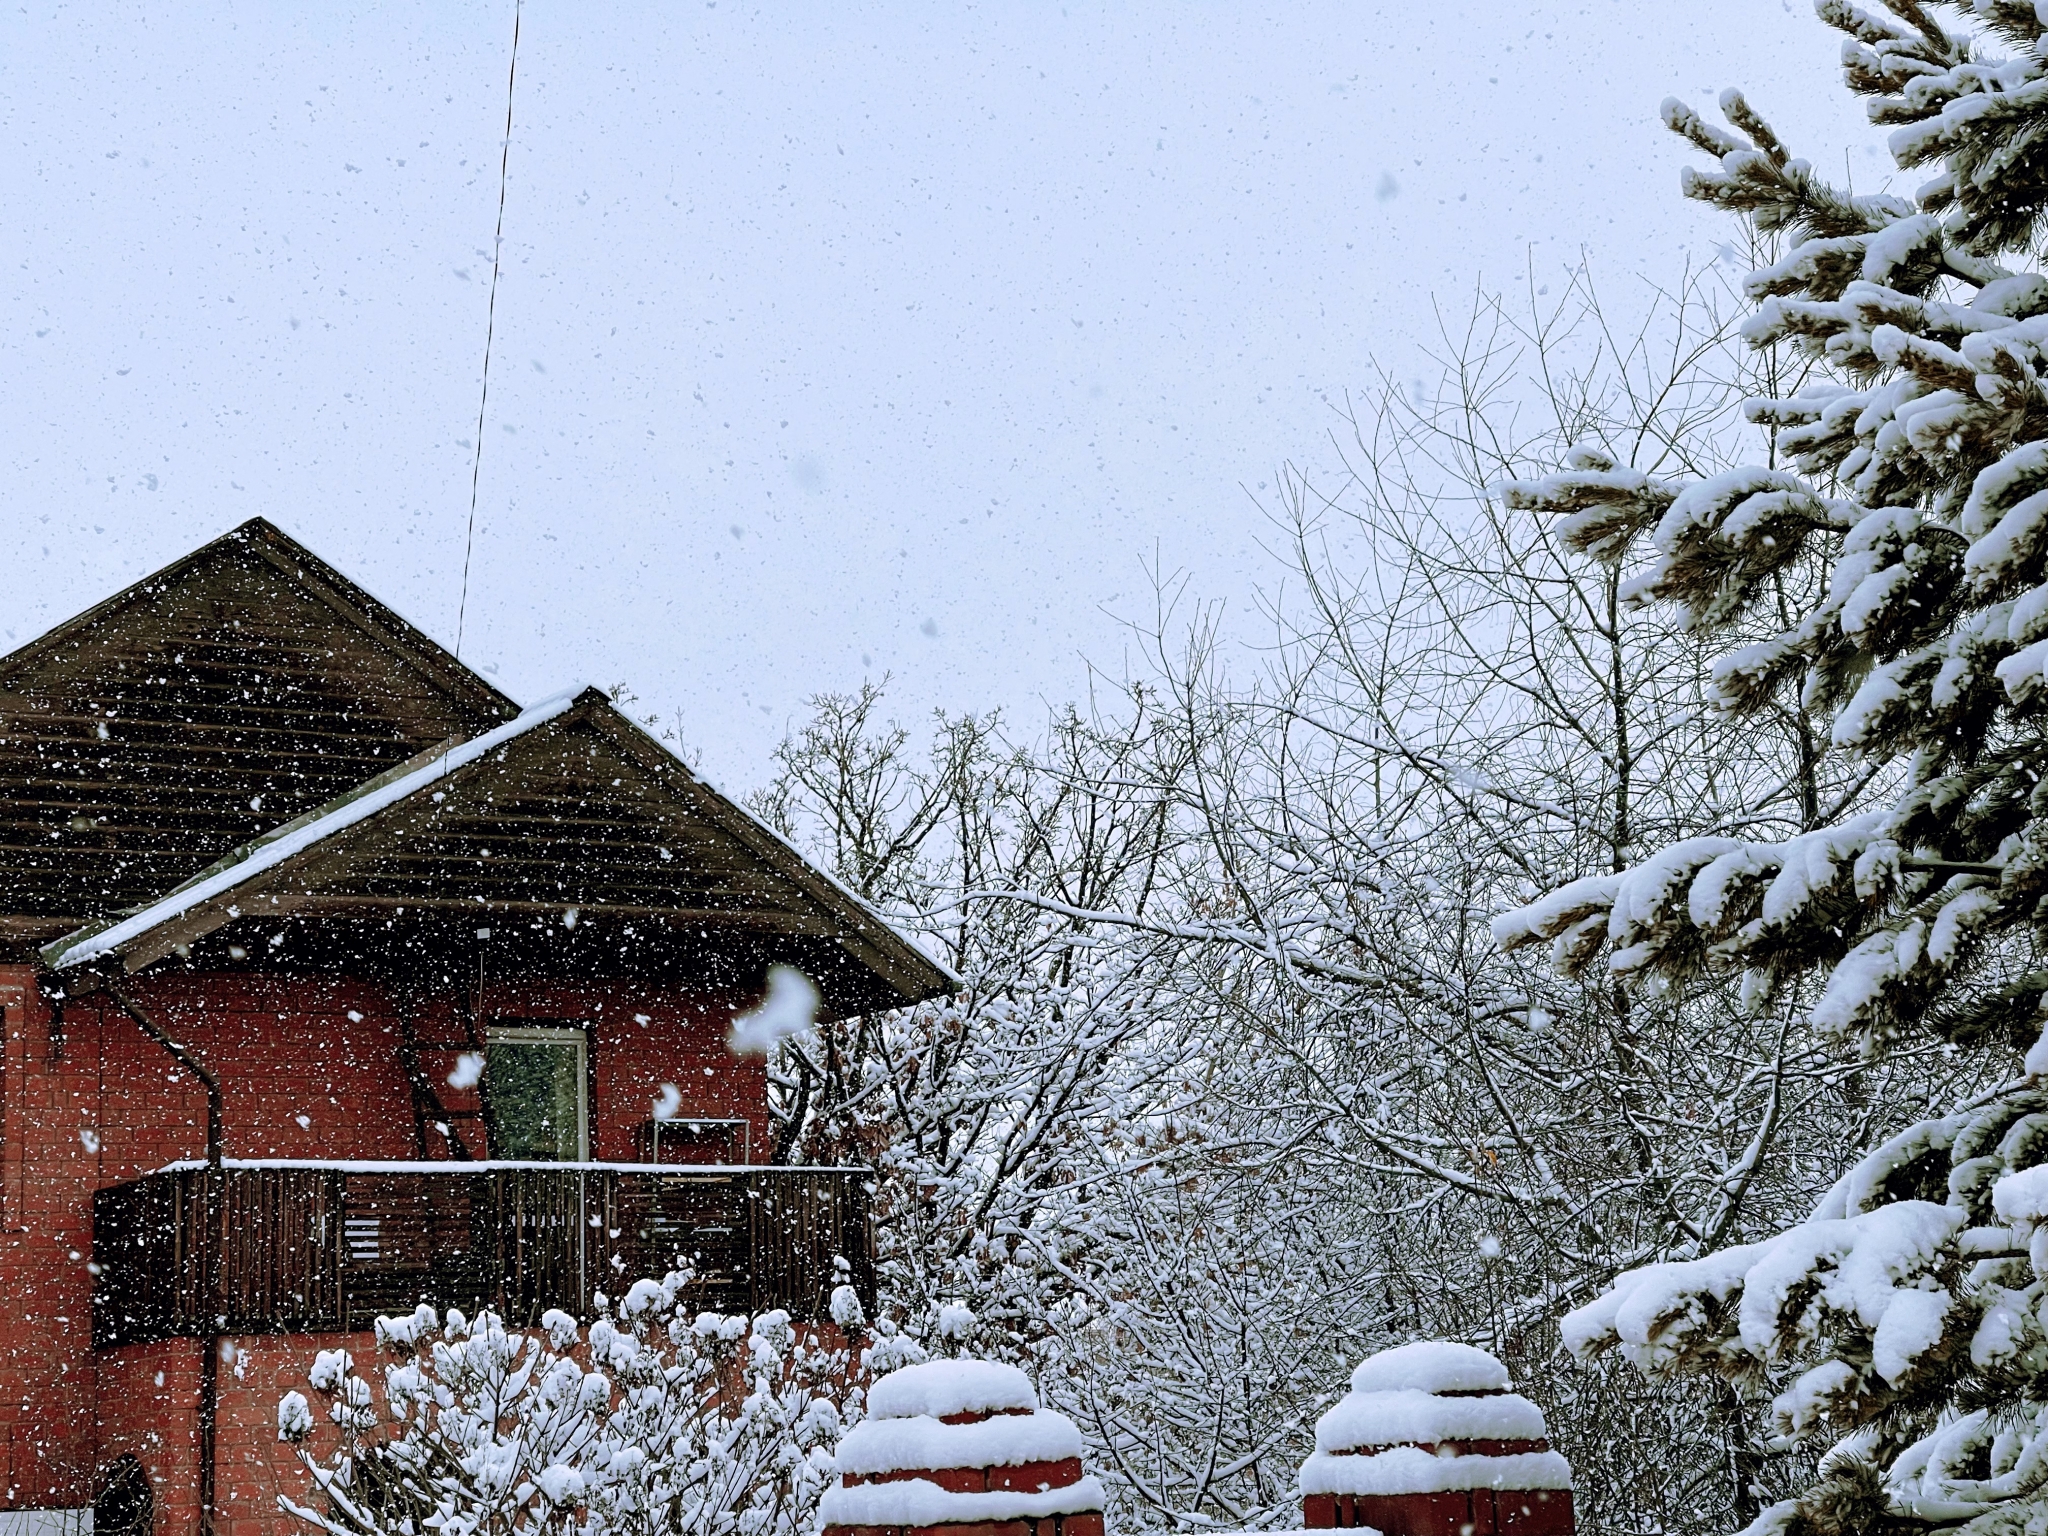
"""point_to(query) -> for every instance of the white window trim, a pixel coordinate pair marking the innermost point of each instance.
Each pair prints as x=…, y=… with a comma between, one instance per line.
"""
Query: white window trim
x=534, y=1034
x=744, y=1136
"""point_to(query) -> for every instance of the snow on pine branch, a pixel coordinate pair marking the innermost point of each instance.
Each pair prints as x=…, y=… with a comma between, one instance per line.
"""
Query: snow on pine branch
x=1925, y=646
x=1599, y=508
x=1885, y=1297
x=1876, y=581
x=1767, y=906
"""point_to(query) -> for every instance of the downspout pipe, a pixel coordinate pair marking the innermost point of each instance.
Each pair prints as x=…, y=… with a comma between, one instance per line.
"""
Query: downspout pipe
x=209, y=1359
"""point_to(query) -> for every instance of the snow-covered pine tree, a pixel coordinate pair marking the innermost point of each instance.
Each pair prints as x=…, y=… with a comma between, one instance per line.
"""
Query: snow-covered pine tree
x=1886, y=572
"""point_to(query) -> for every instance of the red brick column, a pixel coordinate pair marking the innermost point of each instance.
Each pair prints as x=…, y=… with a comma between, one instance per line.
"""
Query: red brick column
x=961, y=1448
x=48, y=1170
x=1432, y=1441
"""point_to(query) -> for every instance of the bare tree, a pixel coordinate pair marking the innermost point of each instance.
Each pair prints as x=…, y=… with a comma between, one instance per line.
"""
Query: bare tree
x=1241, y=1085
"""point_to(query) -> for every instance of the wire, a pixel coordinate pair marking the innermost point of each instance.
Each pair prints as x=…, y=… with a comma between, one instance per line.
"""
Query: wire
x=476, y=467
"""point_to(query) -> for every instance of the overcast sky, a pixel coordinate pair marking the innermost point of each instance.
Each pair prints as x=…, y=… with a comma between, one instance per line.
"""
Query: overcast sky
x=832, y=339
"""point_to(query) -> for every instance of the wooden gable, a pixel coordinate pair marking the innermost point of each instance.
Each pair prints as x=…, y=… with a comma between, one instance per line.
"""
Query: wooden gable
x=566, y=840
x=231, y=691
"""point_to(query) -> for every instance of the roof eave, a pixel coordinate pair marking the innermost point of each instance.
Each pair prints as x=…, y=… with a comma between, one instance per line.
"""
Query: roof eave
x=140, y=936
x=293, y=560
x=116, y=936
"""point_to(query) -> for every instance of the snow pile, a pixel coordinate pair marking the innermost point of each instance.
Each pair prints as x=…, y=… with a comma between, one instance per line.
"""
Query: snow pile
x=1969, y=1462
x=1422, y=1418
x=910, y=1445
x=942, y=1388
x=1409, y=1469
x=1431, y=1417
x=1430, y=1365
x=2022, y=1196
x=915, y=1501
x=958, y=1442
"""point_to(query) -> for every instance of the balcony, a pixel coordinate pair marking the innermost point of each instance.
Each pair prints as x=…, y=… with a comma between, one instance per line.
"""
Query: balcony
x=306, y=1248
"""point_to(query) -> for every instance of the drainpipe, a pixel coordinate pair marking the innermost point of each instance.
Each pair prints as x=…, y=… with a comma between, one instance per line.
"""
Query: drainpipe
x=209, y=1361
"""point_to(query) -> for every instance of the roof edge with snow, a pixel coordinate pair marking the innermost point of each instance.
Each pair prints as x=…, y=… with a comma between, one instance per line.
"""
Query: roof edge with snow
x=138, y=935
x=272, y=849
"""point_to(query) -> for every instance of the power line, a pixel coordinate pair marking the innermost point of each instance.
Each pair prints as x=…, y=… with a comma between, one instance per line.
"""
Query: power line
x=476, y=467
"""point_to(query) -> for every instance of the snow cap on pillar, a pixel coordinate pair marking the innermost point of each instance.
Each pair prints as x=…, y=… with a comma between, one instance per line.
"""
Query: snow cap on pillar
x=1430, y=1438
x=953, y=1444
x=939, y=1389
x=1431, y=1365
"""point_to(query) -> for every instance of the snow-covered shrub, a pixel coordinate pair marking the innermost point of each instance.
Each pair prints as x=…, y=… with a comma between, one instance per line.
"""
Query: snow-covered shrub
x=648, y=1420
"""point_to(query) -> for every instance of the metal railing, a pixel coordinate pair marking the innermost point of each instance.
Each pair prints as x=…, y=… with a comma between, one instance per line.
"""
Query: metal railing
x=328, y=1247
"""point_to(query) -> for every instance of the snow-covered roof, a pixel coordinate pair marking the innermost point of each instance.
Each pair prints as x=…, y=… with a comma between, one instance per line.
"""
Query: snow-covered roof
x=845, y=891
x=740, y=857
x=271, y=850
x=186, y=714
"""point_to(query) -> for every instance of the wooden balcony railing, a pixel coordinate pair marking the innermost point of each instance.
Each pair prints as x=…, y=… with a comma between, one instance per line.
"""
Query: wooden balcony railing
x=326, y=1248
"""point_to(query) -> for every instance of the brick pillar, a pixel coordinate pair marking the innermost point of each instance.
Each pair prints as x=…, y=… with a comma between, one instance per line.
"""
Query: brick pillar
x=961, y=1448
x=1431, y=1440
x=48, y=1170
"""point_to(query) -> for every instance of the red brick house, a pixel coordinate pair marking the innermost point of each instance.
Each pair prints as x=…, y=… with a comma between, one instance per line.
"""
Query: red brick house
x=334, y=981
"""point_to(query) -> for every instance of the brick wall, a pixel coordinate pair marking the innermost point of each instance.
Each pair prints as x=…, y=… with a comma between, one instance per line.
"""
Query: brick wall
x=311, y=1068
x=254, y=1467
x=308, y=1068
x=638, y=1045
x=149, y=1395
x=47, y=1173
x=148, y=1408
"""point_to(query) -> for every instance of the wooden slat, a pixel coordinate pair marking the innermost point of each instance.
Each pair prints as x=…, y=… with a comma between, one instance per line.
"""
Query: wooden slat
x=248, y=685
x=723, y=917
x=321, y=1249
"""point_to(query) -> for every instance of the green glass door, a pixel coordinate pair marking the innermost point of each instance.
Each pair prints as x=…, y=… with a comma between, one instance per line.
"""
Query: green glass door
x=534, y=1094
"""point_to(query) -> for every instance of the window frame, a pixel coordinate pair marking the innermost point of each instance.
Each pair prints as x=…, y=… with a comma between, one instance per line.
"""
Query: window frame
x=542, y=1034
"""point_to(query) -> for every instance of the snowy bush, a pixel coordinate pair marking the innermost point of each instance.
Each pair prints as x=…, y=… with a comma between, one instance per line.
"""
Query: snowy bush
x=648, y=1420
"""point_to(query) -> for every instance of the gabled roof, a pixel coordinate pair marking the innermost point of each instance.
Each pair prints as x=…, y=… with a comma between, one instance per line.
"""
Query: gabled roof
x=569, y=812
x=237, y=687
x=213, y=896
x=257, y=546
